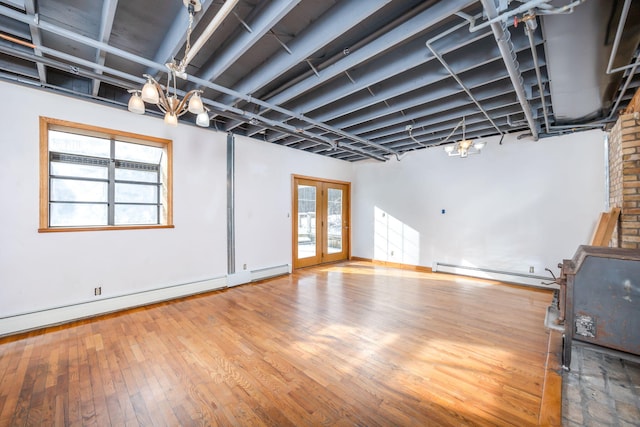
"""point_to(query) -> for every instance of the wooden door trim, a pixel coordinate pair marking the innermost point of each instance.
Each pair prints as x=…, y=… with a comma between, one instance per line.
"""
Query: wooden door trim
x=294, y=209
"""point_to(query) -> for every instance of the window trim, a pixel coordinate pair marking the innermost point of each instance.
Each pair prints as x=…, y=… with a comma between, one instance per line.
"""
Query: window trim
x=47, y=123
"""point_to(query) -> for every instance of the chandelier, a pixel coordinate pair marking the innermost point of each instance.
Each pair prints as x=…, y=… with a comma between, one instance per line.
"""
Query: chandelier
x=465, y=146
x=166, y=101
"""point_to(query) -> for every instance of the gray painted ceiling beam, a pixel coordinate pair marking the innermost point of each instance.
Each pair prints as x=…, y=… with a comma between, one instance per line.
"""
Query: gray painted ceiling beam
x=479, y=130
x=176, y=35
x=429, y=114
x=156, y=66
x=106, y=24
x=424, y=20
x=14, y=28
x=395, y=133
x=376, y=61
x=416, y=70
x=455, y=113
x=478, y=82
x=263, y=22
x=419, y=132
x=483, y=93
x=36, y=39
x=463, y=61
x=25, y=69
x=433, y=106
x=429, y=101
x=409, y=65
x=421, y=77
x=338, y=20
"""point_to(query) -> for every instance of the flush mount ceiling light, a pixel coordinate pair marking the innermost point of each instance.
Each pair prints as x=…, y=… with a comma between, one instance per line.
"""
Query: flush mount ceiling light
x=465, y=146
x=169, y=103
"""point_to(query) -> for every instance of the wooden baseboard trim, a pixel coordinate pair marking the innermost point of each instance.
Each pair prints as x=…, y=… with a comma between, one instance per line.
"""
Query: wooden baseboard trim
x=551, y=403
x=19, y=323
x=394, y=264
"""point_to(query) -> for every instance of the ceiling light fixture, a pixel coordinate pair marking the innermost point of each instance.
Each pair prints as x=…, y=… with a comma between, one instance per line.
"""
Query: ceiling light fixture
x=465, y=146
x=169, y=103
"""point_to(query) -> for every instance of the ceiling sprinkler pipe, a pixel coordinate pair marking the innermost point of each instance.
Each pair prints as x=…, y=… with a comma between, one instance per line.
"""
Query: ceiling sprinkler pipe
x=501, y=35
x=224, y=11
x=616, y=41
x=564, y=10
x=505, y=16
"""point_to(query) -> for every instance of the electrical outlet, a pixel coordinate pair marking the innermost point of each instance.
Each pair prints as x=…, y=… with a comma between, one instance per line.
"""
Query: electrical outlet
x=531, y=269
x=97, y=291
x=244, y=266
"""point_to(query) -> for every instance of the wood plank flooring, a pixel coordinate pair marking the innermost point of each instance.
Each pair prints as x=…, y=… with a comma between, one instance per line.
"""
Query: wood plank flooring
x=348, y=344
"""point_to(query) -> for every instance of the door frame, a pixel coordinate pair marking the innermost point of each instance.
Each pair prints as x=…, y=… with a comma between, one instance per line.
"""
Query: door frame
x=294, y=217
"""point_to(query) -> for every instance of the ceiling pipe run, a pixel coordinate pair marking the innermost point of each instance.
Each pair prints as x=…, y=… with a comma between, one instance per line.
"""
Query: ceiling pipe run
x=224, y=11
x=453, y=73
x=616, y=41
x=269, y=124
x=34, y=20
x=501, y=18
x=503, y=39
x=529, y=29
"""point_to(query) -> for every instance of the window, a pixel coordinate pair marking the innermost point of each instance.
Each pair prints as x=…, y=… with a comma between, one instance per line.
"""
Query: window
x=100, y=179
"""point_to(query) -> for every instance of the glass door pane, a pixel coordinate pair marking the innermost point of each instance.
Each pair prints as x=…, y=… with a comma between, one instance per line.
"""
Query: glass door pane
x=334, y=220
x=307, y=211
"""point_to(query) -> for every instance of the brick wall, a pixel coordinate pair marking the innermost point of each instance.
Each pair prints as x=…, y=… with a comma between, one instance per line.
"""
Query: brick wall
x=615, y=176
x=624, y=179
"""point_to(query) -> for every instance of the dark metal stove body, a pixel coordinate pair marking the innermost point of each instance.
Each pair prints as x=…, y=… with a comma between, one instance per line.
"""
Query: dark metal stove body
x=602, y=299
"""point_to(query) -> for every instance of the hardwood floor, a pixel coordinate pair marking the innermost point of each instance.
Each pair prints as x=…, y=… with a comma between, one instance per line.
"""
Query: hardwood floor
x=348, y=344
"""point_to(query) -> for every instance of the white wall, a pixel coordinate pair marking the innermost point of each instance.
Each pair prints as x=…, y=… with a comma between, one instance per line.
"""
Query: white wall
x=263, y=198
x=40, y=271
x=516, y=205
x=45, y=270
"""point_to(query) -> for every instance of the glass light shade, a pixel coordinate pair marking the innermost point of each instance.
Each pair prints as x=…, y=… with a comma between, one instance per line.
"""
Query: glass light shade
x=465, y=144
x=202, y=119
x=195, y=104
x=171, y=119
x=136, y=104
x=479, y=145
x=150, y=93
x=448, y=149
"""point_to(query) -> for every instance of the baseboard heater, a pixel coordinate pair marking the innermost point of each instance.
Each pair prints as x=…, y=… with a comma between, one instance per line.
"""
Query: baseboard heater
x=58, y=315
x=248, y=276
x=492, y=274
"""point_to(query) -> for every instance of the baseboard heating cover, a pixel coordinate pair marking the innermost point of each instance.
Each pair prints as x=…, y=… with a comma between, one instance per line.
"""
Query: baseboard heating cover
x=492, y=274
x=53, y=316
x=266, y=273
x=248, y=276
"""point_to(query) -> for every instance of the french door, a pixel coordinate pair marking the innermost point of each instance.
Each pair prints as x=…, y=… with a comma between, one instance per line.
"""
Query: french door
x=320, y=221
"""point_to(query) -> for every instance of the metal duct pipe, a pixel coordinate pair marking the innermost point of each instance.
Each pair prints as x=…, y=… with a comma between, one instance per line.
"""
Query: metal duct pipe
x=503, y=36
x=35, y=21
